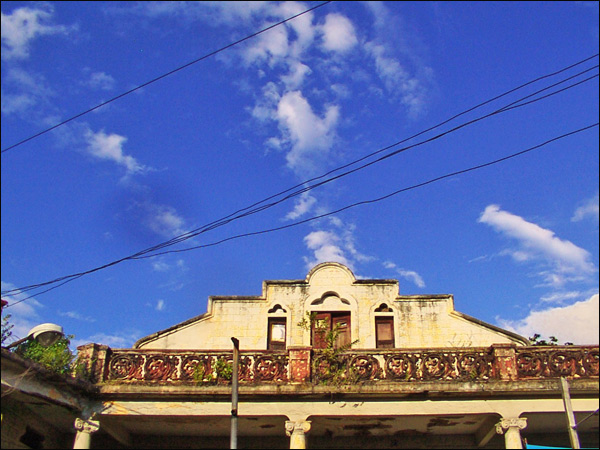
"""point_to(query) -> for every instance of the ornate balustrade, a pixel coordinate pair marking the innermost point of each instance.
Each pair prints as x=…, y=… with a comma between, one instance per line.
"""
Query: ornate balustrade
x=202, y=367
x=498, y=362
x=557, y=361
x=472, y=364
x=405, y=366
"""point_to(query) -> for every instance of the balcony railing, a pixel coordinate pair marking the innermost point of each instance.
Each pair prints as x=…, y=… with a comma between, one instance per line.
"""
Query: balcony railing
x=498, y=362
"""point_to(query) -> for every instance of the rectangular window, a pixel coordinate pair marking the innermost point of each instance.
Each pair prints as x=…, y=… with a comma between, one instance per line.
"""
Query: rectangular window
x=327, y=321
x=384, y=332
x=276, y=337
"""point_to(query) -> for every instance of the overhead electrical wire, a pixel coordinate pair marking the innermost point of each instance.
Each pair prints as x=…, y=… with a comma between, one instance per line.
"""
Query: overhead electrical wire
x=231, y=217
x=226, y=219
x=147, y=83
x=384, y=197
x=353, y=205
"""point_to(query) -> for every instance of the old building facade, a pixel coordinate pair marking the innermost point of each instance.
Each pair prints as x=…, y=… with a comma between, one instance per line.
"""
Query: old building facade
x=332, y=361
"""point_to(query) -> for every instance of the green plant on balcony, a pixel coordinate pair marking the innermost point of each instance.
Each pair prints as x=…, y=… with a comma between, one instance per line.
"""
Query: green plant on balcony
x=201, y=375
x=330, y=364
x=224, y=370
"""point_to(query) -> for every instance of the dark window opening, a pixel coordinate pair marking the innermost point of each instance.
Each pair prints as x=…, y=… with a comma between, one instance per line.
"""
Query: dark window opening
x=384, y=332
x=277, y=333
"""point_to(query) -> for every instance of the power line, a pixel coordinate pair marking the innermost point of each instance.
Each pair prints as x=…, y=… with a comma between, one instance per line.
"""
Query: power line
x=385, y=197
x=221, y=222
x=250, y=211
x=163, y=76
x=229, y=218
x=353, y=205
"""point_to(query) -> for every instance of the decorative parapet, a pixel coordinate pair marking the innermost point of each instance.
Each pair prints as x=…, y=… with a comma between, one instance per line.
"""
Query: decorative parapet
x=557, y=361
x=501, y=362
x=498, y=362
x=406, y=366
x=200, y=367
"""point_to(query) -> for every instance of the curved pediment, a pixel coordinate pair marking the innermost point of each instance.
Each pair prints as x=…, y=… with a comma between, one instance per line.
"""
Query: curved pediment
x=330, y=274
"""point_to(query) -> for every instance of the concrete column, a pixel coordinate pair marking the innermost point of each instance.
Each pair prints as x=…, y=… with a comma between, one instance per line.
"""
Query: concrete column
x=85, y=428
x=297, y=432
x=511, y=428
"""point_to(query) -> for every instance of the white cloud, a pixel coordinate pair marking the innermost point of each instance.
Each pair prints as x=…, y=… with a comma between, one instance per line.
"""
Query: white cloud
x=410, y=275
x=160, y=305
x=119, y=340
x=297, y=74
x=101, y=80
x=160, y=266
x=77, y=316
x=398, y=81
x=271, y=47
x=110, y=147
x=326, y=248
x=561, y=297
x=24, y=25
x=334, y=245
x=576, y=323
x=311, y=137
x=303, y=205
x=162, y=219
x=338, y=33
x=568, y=261
x=25, y=91
x=588, y=210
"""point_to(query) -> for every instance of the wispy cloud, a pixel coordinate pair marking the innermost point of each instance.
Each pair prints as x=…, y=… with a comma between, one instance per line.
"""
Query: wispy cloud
x=25, y=91
x=76, y=316
x=576, y=323
x=334, y=242
x=410, y=275
x=303, y=205
x=23, y=25
x=310, y=135
x=161, y=219
x=326, y=247
x=588, y=210
x=101, y=80
x=110, y=147
x=565, y=260
x=124, y=339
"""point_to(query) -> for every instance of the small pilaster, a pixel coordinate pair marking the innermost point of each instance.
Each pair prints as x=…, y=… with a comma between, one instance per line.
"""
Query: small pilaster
x=511, y=428
x=85, y=428
x=297, y=432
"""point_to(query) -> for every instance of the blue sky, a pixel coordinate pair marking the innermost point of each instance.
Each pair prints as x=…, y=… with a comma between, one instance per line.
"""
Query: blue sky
x=515, y=241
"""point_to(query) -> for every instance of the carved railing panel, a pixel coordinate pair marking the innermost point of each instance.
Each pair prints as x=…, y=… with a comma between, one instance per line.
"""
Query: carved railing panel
x=394, y=365
x=402, y=366
x=535, y=362
x=138, y=366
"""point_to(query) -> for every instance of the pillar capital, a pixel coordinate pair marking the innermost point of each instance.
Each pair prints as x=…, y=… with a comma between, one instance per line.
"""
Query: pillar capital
x=516, y=422
x=300, y=427
x=511, y=428
x=87, y=426
x=296, y=430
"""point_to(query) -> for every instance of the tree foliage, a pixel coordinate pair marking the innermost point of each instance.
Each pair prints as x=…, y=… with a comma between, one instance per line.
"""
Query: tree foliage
x=536, y=339
x=6, y=328
x=58, y=357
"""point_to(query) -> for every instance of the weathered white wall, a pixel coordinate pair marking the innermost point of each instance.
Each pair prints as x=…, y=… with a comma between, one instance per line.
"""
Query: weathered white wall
x=419, y=321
